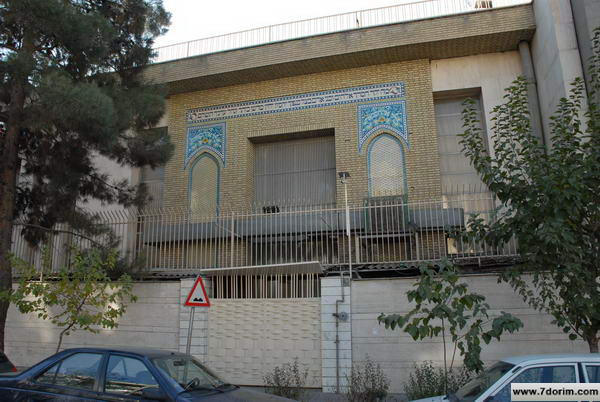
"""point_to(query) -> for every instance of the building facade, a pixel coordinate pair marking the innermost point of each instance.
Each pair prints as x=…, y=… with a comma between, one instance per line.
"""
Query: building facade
x=253, y=201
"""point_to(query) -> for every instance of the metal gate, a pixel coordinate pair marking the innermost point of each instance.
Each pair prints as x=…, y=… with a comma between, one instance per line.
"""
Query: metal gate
x=248, y=336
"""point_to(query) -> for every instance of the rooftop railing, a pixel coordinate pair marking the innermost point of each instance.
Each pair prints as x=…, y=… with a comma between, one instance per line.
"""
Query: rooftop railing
x=418, y=10
x=385, y=233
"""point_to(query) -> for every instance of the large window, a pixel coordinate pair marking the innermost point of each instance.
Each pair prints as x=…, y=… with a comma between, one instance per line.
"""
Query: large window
x=387, y=172
x=204, y=185
x=154, y=180
x=461, y=186
x=458, y=175
x=296, y=172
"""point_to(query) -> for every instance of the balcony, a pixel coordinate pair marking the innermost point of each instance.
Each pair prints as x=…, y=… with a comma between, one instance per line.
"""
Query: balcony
x=414, y=11
x=430, y=29
x=385, y=235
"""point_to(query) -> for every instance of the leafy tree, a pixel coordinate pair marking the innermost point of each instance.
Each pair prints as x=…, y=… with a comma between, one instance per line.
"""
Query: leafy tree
x=71, y=90
x=82, y=297
x=549, y=201
x=445, y=307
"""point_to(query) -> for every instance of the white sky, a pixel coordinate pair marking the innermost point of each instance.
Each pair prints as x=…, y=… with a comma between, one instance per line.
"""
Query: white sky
x=196, y=19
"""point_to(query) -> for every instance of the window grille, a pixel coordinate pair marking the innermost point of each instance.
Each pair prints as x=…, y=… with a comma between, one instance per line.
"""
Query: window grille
x=288, y=286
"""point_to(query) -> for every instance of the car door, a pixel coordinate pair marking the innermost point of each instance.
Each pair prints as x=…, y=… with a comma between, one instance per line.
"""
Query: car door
x=73, y=378
x=125, y=377
x=539, y=373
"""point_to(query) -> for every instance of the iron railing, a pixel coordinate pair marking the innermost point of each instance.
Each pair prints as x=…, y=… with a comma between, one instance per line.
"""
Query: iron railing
x=383, y=230
x=323, y=25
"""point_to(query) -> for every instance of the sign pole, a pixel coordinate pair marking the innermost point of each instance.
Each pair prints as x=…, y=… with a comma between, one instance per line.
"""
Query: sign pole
x=190, y=329
x=196, y=298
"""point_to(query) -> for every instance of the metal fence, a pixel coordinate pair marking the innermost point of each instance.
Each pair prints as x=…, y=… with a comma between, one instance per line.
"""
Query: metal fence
x=329, y=24
x=383, y=230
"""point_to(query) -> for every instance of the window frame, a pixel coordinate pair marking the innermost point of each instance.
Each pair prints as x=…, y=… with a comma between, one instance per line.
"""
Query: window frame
x=197, y=159
x=277, y=203
x=499, y=385
x=103, y=375
x=95, y=389
x=373, y=141
x=586, y=376
x=461, y=96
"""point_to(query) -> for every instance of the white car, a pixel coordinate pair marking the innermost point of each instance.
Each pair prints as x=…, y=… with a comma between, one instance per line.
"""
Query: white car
x=493, y=384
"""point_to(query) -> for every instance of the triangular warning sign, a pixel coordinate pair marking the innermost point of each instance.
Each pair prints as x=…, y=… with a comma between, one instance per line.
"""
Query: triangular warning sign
x=198, y=296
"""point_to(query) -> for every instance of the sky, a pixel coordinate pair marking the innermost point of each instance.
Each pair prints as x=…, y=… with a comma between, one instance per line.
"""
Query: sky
x=196, y=19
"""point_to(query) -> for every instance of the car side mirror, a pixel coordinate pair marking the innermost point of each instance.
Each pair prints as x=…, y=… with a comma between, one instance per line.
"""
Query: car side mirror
x=154, y=394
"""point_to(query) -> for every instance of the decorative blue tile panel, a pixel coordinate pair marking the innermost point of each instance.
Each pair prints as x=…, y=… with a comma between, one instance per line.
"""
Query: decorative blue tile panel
x=390, y=90
x=389, y=116
x=201, y=138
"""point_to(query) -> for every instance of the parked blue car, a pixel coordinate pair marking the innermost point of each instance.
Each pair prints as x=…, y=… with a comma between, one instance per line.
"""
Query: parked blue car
x=128, y=374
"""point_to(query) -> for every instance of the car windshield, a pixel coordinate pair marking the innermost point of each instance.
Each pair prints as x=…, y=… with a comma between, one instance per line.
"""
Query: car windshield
x=189, y=373
x=477, y=386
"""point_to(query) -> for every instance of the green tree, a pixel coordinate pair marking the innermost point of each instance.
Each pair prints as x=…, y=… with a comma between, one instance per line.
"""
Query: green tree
x=82, y=297
x=71, y=89
x=445, y=307
x=549, y=201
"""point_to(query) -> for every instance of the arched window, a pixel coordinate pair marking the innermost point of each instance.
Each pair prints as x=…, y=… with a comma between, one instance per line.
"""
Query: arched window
x=204, y=185
x=387, y=172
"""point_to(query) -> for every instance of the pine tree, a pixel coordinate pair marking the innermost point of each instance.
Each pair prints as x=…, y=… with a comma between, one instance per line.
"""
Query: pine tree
x=72, y=89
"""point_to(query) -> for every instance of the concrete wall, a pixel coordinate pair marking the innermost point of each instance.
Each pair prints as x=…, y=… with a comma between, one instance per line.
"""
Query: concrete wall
x=492, y=72
x=555, y=55
x=586, y=16
x=397, y=352
x=116, y=172
x=153, y=321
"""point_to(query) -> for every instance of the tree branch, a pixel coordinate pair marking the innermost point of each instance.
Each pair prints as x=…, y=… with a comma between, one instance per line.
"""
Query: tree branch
x=62, y=231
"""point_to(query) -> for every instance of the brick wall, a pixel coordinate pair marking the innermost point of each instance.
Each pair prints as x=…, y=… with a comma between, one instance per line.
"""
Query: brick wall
x=236, y=177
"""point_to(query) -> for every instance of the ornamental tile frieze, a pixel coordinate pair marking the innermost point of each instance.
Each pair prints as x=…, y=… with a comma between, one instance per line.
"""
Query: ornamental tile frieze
x=296, y=102
x=376, y=117
x=205, y=138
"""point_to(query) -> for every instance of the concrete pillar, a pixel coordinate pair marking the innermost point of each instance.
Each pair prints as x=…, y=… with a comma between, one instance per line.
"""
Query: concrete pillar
x=336, y=354
x=532, y=92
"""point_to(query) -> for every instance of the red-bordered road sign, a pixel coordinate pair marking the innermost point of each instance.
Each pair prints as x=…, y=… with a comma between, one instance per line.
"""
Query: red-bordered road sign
x=198, y=296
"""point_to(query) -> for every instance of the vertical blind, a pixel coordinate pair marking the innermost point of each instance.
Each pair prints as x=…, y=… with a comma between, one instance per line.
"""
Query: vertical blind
x=387, y=174
x=457, y=174
x=295, y=172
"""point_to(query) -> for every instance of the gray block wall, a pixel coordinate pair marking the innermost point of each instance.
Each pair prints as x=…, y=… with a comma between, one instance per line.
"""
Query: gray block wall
x=397, y=352
x=153, y=321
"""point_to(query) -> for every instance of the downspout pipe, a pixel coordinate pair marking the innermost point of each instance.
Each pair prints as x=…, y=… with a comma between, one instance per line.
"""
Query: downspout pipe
x=532, y=93
x=337, y=338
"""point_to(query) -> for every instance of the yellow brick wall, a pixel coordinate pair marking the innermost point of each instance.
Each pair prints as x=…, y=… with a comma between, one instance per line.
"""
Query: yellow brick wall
x=237, y=176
